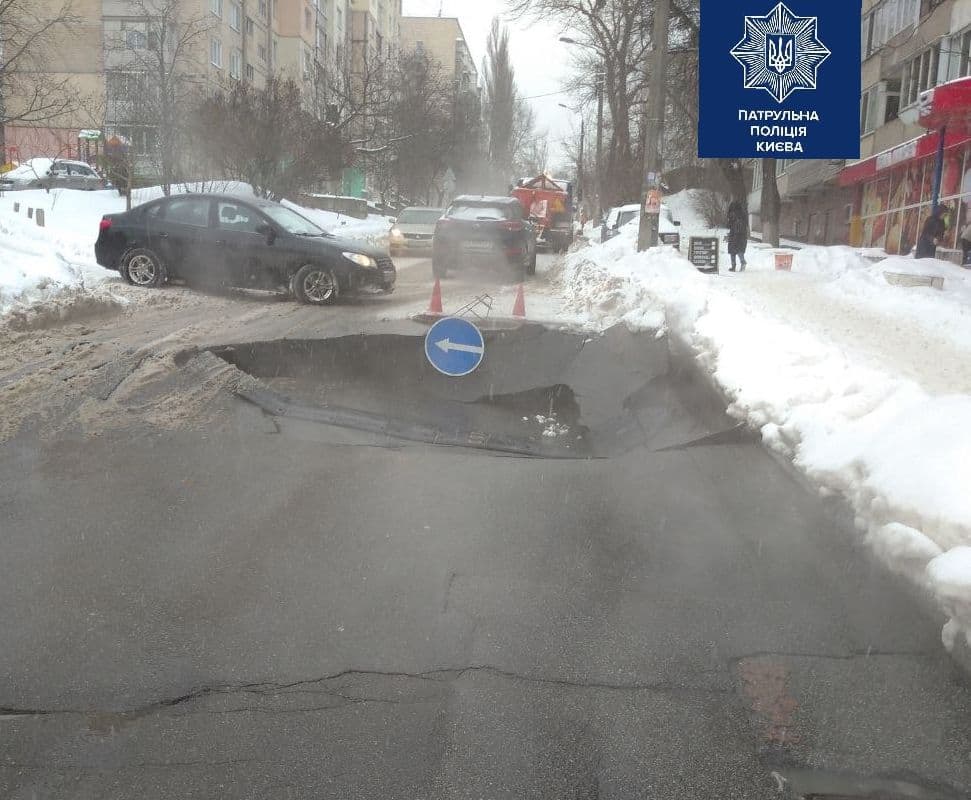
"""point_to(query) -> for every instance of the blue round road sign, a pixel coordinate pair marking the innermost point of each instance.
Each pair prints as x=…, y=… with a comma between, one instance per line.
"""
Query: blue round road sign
x=454, y=346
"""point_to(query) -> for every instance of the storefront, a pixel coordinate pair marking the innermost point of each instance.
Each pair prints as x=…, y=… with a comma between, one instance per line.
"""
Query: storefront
x=895, y=188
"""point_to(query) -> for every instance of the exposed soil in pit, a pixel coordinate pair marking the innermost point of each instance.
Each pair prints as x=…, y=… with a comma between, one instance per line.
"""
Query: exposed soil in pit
x=538, y=392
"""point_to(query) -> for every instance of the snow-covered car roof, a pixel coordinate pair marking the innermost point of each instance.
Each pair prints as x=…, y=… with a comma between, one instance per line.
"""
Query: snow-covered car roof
x=31, y=168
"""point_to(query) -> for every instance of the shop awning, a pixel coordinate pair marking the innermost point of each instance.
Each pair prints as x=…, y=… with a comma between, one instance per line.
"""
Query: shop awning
x=918, y=148
x=947, y=105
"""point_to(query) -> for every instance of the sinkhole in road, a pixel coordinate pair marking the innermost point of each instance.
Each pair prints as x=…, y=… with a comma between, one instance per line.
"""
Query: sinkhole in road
x=539, y=392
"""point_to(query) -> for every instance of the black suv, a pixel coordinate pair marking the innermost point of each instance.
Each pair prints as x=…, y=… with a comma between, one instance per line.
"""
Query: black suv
x=489, y=230
x=251, y=243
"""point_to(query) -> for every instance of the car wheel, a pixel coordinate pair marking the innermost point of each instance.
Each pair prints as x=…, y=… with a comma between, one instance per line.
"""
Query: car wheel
x=141, y=267
x=439, y=267
x=316, y=286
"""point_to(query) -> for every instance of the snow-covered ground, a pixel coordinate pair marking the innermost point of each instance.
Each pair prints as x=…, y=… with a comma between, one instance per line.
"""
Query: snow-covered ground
x=865, y=386
x=55, y=265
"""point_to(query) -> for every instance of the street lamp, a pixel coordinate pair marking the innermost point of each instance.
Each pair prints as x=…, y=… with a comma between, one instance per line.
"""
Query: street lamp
x=583, y=128
x=601, y=79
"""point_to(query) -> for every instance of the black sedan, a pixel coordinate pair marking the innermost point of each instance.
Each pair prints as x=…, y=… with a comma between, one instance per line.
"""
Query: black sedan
x=251, y=243
x=490, y=230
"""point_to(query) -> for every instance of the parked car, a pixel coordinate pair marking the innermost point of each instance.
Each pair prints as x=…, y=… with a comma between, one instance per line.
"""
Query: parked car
x=47, y=173
x=414, y=230
x=486, y=230
x=247, y=243
x=616, y=219
x=621, y=215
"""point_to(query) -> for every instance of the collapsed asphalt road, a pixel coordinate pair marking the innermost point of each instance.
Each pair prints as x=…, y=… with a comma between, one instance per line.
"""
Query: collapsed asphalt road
x=246, y=603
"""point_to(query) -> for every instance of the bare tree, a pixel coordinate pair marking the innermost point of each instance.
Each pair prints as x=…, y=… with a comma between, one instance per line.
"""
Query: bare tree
x=509, y=121
x=771, y=205
x=616, y=36
x=268, y=138
x=155, y=67
x=29, y=93
x=422, y=122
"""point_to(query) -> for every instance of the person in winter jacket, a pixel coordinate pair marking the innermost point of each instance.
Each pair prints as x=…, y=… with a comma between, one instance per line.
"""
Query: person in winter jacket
x=931, y=234
x=966, y=245
x=737, y=233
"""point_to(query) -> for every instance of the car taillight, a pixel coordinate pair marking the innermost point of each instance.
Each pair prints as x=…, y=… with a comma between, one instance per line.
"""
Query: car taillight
x=511, y=226
x=105, y=224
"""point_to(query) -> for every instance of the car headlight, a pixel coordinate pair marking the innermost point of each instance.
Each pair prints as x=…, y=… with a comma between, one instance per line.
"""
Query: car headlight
x=396, y=234
x=360, y=259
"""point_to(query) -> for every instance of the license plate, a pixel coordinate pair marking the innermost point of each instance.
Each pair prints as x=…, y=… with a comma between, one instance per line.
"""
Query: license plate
x=478, y=246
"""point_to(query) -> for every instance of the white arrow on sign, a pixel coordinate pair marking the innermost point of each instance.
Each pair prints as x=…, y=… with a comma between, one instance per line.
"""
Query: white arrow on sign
x=447, y=344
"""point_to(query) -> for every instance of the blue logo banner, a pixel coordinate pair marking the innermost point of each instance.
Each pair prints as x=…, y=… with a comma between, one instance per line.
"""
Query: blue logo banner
x=780, y=79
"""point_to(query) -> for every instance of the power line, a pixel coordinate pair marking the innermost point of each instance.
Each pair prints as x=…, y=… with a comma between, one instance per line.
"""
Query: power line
x=548, y=94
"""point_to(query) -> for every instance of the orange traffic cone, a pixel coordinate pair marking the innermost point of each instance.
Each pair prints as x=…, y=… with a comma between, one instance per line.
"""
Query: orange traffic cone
x=519, y=307
x=435, y=305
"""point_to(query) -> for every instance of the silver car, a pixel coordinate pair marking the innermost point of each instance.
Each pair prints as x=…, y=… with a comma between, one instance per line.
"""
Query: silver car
x=46, y=173
x=414, y=230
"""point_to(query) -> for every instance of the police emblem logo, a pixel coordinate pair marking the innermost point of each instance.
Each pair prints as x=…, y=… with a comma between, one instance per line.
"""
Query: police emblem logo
x=780, y=53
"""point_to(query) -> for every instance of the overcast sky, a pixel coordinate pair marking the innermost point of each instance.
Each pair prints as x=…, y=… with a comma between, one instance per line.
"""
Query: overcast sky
x=537, y=57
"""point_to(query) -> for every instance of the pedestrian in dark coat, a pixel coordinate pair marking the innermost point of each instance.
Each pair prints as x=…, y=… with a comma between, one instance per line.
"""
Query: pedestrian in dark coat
x=966, y=245
x=931, y=234
x=737, y=233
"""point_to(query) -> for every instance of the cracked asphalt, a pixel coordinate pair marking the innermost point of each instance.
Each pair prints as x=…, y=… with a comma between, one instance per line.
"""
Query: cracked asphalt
x=227, y=606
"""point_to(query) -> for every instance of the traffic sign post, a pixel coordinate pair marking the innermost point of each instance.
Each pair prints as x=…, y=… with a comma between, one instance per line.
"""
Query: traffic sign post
x=454, y=347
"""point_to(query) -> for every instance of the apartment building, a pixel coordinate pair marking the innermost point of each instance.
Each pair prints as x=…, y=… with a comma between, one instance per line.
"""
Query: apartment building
x=113, y=44
x=375, y=31
x=75, y=56
x=916, y=75
x=311, y=38
x=443, y=39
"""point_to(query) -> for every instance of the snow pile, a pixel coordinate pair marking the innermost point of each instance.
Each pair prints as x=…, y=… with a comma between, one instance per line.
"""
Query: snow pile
x=53, y=267
x=609, y=284
x=856, y=426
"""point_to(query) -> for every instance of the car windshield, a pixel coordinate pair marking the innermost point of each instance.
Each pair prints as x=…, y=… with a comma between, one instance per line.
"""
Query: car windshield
x=420, y=216
x=485, y=400
x=479, y=212
x=291, y=221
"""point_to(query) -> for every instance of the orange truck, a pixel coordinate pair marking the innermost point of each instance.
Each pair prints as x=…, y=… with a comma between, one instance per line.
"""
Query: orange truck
x=549, y=205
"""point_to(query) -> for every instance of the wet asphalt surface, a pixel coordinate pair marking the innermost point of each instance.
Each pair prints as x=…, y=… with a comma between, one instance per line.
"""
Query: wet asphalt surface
x=259, y=606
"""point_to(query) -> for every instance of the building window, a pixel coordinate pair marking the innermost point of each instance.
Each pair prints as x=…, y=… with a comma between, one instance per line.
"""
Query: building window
x=250, y=72
x=885, y=22
x=868, y=110
x=134, y=37
x=143, y=140
x=216, y=7
x=263, y=8
x=276, y=52
x=420, y=47
x=216, y=52
x=261, y=52
x=920, y=74
x=249, y=26
x=306, y=18
x=236, y=64
x=235, y=16
x=308, y=64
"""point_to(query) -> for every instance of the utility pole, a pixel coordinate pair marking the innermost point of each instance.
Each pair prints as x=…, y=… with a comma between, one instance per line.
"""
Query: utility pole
x=598, y=184
x=580, y=186
x=647, y=235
